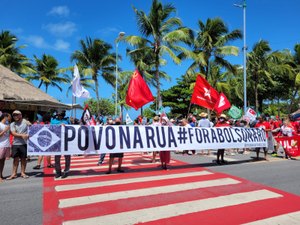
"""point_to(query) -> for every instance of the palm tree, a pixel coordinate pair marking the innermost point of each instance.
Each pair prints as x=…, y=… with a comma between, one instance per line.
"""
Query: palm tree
x=10, y=55
x=162, y=32
x=48, y=73
x=123, y=82
x=296, y=71
x=95, y=56
x=211, y=44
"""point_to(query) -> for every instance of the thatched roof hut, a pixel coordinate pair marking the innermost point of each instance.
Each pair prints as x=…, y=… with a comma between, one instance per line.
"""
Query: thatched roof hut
x=17, y=93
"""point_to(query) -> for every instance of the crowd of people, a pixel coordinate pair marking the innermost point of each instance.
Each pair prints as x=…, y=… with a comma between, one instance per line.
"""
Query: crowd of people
x=14, y=136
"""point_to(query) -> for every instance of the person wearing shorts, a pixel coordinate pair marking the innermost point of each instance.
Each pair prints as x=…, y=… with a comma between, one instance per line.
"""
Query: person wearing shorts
x=19, y=129
x=5, y=119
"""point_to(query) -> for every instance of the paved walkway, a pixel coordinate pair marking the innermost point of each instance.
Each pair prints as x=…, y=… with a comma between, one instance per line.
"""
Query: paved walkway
x=145, y=194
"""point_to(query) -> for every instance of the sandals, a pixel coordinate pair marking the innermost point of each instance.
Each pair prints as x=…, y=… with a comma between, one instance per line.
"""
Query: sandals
x=12, y=177
x=24, y=176
x=37, y=167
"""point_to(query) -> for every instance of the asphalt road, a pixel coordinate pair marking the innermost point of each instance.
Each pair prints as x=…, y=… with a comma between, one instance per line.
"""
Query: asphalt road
x=21, y=199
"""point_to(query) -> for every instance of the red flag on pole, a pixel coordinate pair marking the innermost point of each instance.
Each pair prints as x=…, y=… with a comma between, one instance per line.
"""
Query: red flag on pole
x=138, y=93
x=222, y=104
x=204, y=95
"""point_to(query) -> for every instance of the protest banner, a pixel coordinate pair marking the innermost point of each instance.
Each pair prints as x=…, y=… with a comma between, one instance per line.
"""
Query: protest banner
x=291, y=145
x=76, y=139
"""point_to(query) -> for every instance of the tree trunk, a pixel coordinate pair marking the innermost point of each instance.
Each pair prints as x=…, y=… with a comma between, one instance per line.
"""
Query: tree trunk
x=295, y=91
x=256, y=93
x=95, y=78
x=157, y=80
x=121, y=113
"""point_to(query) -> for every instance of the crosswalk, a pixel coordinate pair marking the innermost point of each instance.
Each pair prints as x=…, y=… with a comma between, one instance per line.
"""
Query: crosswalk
x=146, y=194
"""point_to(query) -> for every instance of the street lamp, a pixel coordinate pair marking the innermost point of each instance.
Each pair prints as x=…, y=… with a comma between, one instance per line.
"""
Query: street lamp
x=121, y=35
x=245, y=53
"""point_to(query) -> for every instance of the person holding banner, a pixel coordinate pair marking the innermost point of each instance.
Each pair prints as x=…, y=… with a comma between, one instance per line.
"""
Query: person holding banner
x=19, y=129
x=60, y=120
x=204, y=122
x=262, y=123
x=287, y=130
x=222, y=122
x=155, y=123
x=165, y=156
x=5, y=119
x=117, y=155
x=46, y=120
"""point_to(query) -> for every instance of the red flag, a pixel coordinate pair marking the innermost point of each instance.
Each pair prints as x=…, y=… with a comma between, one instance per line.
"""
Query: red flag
x=222, y=104
x=138, y=93
x=204, y=95
x=87, y=118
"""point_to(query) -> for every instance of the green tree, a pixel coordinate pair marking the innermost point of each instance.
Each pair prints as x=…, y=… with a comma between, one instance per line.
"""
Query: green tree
x=262, y=64
x=96, y=57
x=295, y=75
x=162, y=33
x=103, y=107
x=148, y=113
x=48, y=73
x=178, y=97
x=10, y=55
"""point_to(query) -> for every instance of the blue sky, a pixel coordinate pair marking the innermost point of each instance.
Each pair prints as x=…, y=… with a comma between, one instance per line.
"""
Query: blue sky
x=55, y=27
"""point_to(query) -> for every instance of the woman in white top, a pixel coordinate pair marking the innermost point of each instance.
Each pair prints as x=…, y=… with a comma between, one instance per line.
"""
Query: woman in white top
x=5, y=119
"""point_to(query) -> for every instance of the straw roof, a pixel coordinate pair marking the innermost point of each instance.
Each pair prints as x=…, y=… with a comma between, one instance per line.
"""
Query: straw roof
x=16, y=92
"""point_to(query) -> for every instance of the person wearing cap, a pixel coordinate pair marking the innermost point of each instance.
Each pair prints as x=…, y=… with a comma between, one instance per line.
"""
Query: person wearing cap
x=204, y=122
x=19, y=129
x=60, y=120
x=222, y=122
x=265, y=125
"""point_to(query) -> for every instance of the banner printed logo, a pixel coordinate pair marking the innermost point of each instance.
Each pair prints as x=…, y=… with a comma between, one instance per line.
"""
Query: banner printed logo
x=45, y=138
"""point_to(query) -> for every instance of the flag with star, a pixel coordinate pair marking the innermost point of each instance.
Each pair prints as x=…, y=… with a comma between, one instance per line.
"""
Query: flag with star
x=204, y=95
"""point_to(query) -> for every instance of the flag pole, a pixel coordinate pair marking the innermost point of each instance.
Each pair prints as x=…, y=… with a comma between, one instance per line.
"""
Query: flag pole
x=189, y=109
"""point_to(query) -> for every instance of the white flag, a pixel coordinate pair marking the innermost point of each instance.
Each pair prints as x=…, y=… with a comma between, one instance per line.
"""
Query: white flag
x=128, y=119
x=78, y=90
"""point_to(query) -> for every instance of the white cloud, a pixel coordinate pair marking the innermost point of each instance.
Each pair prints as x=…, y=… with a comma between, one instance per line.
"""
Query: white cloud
x=108, y=31
x=61, y=29
x=62, y=11
x=61, y=45
x=37, y=41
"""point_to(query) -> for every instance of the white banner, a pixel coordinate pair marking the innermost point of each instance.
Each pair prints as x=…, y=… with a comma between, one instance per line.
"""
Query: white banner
x=76, y=139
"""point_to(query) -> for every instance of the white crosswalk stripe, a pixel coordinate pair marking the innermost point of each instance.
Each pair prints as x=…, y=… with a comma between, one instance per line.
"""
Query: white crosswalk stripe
x=144, y=192
x=167, y=211
x=128, y=181
x=285, y=219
